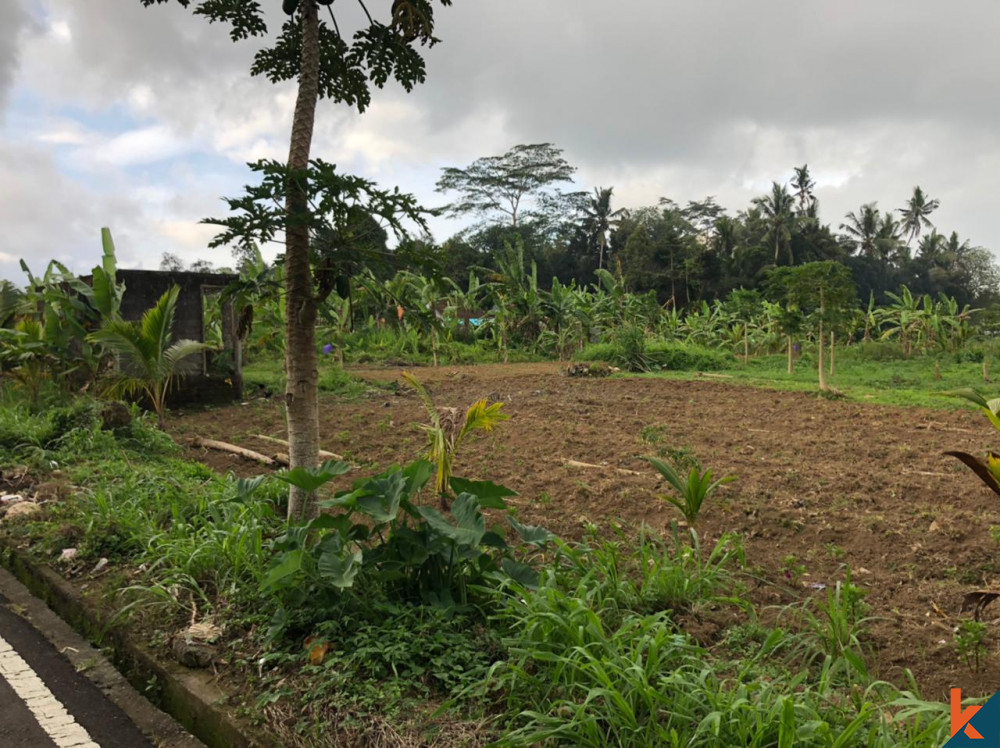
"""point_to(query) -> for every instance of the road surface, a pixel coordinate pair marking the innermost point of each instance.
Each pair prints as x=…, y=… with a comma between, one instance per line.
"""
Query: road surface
x=54, y=687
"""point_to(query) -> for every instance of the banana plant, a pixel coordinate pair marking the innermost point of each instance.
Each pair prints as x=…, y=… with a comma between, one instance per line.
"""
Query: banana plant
x=148, y=358
x=25, y=355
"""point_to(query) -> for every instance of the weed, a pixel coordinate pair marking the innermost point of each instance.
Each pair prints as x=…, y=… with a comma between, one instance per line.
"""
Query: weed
x=969, y=646
x=793, y=569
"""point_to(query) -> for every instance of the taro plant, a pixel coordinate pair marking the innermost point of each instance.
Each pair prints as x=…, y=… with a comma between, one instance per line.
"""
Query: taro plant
x=148, y=358
x=404, y=552
x=448, y=428
x=692, y=491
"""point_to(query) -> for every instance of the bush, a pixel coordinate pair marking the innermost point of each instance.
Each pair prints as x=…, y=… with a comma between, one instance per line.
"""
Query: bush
x=663, y=355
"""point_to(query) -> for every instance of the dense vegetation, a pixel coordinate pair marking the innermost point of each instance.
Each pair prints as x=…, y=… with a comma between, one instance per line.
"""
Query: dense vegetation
x=349, y=627
x=413, y=605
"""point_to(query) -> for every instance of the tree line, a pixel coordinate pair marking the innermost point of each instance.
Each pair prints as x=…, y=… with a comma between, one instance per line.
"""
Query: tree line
x=699, y=250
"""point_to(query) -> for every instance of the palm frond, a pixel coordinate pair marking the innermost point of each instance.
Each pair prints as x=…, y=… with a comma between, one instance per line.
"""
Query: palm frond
x=158, y=322
x=183, y=349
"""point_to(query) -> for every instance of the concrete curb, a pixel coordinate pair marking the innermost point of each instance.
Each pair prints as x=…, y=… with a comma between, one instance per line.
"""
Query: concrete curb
x=189, y=696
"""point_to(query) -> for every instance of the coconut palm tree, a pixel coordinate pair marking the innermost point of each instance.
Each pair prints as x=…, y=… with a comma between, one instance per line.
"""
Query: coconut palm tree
x=148, y=358
x=889, y=241
x=804, y=185
x=863, y=228
x=916, y=214
x=599, y=220
x=777, y=209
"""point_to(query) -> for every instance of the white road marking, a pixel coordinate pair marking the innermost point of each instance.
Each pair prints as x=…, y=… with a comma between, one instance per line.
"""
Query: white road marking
x=51, y=715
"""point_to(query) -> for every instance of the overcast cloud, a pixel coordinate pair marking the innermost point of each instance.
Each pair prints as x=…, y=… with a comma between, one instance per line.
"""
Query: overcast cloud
x=140, y=119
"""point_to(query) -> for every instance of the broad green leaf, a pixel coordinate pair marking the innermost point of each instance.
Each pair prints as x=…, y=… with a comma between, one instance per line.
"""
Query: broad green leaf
x=493, y=540
x=383, y=496
x=337, y=569
x=459, y=535
x=290, y=564
x=531, y=534
x=310, y=479
x=967, y=393
x=417, y=474
x=339, y=522
x=521, y=573
x=246, y=486
x=467, y=514
x=490, y=495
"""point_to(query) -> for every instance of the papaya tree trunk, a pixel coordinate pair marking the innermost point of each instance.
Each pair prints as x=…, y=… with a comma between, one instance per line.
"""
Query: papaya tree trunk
x=833, y=348
x=746, y=344
x=791, y=360
x=301, y=365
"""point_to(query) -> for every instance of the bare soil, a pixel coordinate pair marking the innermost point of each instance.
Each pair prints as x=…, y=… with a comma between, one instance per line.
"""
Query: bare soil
x=820, y=483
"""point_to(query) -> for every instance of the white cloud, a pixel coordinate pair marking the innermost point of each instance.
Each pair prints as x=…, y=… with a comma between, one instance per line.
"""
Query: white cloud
x=143, y=146
x=655, y=98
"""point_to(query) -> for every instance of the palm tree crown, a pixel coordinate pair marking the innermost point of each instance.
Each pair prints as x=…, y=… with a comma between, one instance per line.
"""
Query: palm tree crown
x=916, y=213
x=779, y=216
x=599, y=219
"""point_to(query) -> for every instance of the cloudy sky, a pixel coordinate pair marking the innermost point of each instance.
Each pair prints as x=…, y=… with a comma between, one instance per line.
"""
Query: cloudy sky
x=140, y=119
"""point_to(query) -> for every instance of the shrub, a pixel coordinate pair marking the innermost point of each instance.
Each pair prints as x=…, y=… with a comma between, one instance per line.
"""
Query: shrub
x=663, y=355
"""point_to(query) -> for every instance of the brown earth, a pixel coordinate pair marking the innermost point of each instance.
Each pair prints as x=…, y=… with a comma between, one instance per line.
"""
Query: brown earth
x=820, y=483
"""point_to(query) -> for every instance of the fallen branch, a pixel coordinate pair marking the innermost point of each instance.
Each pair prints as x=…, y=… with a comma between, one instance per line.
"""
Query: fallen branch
x=322, y=453
x=939, y=427
x=578, y=464
x=233, y=449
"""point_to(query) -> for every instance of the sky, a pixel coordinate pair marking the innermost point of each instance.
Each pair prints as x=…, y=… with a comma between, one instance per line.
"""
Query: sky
x=141, y=119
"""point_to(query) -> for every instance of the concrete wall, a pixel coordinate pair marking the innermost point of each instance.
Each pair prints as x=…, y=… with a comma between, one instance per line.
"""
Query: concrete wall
x=142, y=290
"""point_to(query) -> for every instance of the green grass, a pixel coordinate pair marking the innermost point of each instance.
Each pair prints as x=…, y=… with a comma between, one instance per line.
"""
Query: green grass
x=595, y=655
x=903, y=382
x=270, y=374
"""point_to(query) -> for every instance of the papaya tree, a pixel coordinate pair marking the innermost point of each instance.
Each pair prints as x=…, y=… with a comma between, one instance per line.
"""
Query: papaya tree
x=327, y=62
x=823, y=291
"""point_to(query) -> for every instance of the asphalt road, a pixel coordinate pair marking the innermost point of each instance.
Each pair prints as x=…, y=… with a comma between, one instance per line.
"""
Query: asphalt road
x=44, y=701
x=57, y=690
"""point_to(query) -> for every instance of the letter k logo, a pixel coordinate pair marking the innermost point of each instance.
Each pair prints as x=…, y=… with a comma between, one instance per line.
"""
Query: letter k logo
x=960, y=719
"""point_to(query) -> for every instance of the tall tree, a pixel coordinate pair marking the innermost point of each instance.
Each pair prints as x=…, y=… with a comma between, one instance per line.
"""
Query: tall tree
x=863, y=228
x=599, y=220
x=779, y=217
x=889, y=239
x=804, y=185
x=343, y=68
x=916, y=214
x=520, y=184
